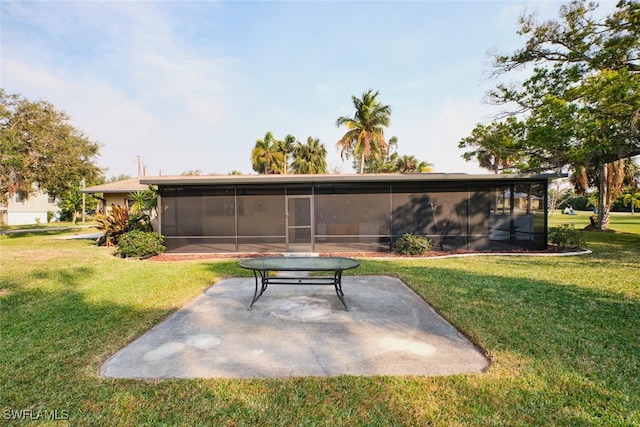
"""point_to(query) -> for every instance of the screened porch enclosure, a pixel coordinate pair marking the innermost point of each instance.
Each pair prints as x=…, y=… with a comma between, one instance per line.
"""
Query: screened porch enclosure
x=352, y=216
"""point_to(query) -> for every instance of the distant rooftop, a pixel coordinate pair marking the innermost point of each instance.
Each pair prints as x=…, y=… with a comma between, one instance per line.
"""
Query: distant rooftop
x=124, y=186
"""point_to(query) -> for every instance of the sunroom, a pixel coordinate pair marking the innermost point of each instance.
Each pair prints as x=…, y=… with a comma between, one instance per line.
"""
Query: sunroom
x=351, y=213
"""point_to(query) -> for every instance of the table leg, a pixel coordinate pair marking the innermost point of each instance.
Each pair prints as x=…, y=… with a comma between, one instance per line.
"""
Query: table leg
x=337, y=282
x=264, y=282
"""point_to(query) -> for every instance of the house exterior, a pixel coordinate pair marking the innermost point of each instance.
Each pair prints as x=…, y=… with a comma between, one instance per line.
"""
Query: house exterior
x=366, y=212
x=38, y=208
x=115, y=193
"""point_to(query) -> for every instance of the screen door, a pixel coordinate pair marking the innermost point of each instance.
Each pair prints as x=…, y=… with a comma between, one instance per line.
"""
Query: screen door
x=299, y=220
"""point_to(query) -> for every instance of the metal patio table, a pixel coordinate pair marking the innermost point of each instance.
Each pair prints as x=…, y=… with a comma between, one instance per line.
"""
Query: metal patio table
x=262, y=268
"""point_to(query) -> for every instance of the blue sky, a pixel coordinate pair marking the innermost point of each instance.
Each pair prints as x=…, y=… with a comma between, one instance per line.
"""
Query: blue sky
x=192, y=85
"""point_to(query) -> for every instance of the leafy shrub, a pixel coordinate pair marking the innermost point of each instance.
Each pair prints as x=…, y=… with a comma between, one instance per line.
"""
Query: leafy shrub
x=566, y=236
x=66, y=215
x=144, y=201
x=409, y=244
x=118, y=221
x=139, y=243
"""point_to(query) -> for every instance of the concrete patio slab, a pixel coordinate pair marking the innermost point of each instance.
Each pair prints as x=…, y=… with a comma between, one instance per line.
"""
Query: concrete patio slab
x=300, y=331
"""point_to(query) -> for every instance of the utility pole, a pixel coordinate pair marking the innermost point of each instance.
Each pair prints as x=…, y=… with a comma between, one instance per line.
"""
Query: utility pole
x=84, y=201
x=139, y=160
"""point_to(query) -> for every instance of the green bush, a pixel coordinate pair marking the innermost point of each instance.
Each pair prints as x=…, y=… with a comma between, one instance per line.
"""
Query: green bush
x=409, y=244
x=566, y=236
x=138, y=244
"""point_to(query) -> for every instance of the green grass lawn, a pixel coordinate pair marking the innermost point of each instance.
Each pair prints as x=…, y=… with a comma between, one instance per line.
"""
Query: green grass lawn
x=562, y=334
x=622, y=222
x=49, y=225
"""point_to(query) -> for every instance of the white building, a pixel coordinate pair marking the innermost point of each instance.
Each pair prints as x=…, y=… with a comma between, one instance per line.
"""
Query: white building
x=39, y=208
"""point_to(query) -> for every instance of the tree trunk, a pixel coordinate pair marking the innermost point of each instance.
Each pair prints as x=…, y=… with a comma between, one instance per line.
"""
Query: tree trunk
x=602, y=222
x=362, y=163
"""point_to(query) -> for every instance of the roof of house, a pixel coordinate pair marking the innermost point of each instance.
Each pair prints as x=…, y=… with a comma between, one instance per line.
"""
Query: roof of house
x=124, y=186
x=338, y=178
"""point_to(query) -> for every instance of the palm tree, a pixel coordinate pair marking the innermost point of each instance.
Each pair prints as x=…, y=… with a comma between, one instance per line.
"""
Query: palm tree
x=632, y=180
x=265, y=156
x=309, y=158
x=409, y=164
x=632, y=198
x=386, y=163
x=365, y=135
x=286, y=147
x=493, y=146
x=145, y=202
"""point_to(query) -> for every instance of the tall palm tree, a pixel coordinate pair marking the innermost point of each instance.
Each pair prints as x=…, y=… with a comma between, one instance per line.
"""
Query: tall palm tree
x=265, y=156
x=365, y=134
x=309, y=158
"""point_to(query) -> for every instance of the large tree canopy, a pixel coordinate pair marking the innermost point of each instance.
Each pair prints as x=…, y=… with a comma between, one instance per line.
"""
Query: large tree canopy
x=39, y=149
x=580, y=106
